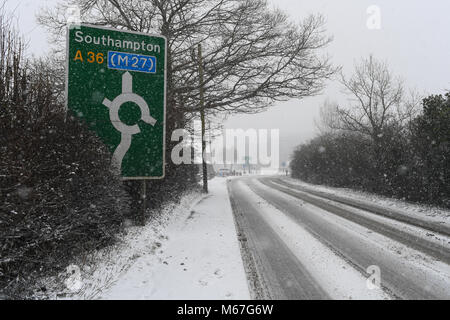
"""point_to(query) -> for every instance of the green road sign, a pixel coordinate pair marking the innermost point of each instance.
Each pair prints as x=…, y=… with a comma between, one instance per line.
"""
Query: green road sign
x=116, y=82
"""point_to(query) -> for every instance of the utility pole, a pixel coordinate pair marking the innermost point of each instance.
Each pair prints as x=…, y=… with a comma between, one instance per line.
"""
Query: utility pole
x=202, y=118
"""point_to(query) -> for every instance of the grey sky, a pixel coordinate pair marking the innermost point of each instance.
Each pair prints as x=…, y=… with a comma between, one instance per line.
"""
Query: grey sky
x=25, y=14
x=414, y=39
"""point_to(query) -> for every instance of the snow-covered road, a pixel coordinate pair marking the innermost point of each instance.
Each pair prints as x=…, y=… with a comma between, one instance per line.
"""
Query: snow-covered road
x=302, y=245
x=267, y=237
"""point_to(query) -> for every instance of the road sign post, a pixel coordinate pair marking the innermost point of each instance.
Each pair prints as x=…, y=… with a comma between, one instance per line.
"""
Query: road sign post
x=116, y=82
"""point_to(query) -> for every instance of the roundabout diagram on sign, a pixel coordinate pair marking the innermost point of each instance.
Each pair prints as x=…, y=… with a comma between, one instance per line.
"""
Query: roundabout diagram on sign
x=127, y=131
x=116, y=84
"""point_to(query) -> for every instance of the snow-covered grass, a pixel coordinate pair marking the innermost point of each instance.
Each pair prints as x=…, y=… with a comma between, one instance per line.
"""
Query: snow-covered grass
x=188, y=251
x=100, y=269
x=431, y=213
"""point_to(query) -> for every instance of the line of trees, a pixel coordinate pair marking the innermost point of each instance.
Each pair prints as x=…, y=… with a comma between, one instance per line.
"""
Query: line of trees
x=252, y=54
x=383, y=142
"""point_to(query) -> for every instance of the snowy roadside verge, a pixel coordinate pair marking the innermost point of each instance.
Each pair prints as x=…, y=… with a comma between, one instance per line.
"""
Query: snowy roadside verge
x=426, y=216
x=200, y=259
x=95, y=272
x=189, y=251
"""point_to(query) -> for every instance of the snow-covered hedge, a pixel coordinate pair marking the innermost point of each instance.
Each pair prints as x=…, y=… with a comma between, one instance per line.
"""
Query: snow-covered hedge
x=411, y=164
x=58, y=197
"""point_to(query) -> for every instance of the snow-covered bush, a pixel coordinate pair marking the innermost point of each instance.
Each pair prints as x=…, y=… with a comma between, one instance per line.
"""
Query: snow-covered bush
x=411, y=164
x=58, y=198
x=58, y=195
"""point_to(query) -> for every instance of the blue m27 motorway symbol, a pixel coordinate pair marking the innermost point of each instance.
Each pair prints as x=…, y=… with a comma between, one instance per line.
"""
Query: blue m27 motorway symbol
x=131, y=62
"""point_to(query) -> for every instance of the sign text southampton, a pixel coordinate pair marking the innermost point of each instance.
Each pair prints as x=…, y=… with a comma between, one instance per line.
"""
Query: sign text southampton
x=116, y=83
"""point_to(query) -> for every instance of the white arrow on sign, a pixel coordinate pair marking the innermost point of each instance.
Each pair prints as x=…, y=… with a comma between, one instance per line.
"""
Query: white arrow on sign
x=126, y=130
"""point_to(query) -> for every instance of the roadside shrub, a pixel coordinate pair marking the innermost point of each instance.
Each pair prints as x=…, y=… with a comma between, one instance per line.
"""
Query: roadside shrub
x=411, y=164
x=58, y=197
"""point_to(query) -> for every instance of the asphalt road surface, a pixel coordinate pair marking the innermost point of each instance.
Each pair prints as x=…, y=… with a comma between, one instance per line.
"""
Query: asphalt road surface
x=301, y=244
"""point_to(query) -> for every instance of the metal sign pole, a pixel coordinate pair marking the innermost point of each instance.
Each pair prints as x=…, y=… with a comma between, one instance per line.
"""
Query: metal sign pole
x=144, y=200
x=108, y=71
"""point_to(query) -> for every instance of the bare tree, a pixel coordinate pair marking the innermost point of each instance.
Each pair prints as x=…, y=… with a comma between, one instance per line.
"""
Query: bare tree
x=410, y=109
x=253, y=55
x=376, y=99
x=329, y=120
x=378, y=109
x=12, y=48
